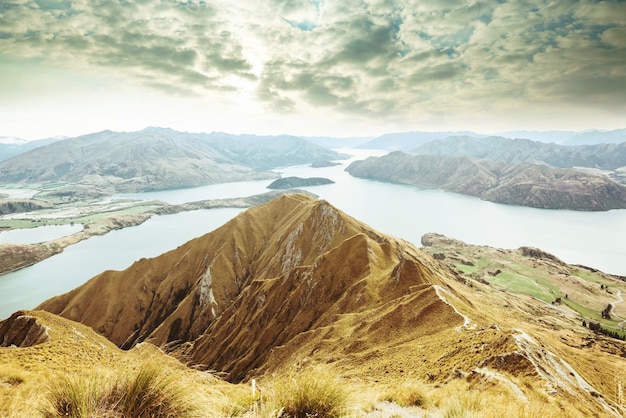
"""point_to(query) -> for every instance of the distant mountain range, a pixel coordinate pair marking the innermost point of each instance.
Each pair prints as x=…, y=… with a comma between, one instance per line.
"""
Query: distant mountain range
x=158, y=158
x=534, y=185
x=499, y=149
x=407, y=141
x=10, y=147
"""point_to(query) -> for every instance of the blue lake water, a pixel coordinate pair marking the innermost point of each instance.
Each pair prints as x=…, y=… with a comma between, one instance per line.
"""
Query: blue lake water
x=39, y=234
x=596, y=239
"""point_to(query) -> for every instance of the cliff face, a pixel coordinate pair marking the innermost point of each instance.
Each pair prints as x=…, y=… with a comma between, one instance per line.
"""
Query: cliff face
x=292, y=266
x=531, y=185
x=22, y=330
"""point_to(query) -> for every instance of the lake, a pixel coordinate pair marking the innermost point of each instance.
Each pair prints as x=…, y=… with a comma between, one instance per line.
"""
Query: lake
x=39, y=234
x=596, y=239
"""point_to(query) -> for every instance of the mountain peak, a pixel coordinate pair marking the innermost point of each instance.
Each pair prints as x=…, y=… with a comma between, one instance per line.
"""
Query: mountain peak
x=275, y=271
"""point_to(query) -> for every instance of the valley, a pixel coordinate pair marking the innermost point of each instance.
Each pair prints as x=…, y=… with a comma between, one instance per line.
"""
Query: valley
x=295, y=287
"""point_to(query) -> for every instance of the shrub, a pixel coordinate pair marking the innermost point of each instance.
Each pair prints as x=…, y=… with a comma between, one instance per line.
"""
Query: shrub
x=309, y=395
x=147, y=392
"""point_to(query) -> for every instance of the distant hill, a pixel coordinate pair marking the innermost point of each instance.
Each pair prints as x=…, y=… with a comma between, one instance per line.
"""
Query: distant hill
x=337, y=142
x=499, y=149
x=157, y=158
x=616, y=136
x=406, y=141
x=10, y=147
x=556, y=137
x=531, y=185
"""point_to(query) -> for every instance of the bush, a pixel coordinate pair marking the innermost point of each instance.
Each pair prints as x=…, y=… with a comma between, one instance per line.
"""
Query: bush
x=148, y=392
x=309, y=395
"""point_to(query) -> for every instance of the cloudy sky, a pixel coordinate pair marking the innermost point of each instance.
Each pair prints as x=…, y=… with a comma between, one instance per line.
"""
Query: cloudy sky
x=311, y=67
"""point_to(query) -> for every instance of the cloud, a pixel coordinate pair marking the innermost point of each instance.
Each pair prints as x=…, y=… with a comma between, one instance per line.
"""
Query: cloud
x=376, y=58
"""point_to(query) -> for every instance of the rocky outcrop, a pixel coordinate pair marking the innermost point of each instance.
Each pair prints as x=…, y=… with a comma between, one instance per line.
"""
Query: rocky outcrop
x=532, y=185
x=292, y=182
x=22, y=330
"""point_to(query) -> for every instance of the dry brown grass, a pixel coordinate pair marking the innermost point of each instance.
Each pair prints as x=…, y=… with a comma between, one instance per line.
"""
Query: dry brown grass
x=147, y=391
x=408, y=393
x=307, y=394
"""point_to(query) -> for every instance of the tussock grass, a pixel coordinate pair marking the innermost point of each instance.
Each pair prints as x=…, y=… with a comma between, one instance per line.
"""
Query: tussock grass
x=145, y=392
x=409, y=393
x=309, y=394
x=458, y=400
x=239, y=402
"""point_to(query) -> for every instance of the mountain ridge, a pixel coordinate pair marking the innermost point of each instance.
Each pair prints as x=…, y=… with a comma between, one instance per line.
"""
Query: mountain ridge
x=199, y=288
x=513, y=151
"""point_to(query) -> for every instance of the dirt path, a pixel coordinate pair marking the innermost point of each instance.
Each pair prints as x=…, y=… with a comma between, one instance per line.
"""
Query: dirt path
x=619, y=300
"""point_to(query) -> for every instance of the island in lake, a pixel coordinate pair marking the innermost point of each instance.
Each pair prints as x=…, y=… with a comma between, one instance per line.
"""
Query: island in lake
x=291, y=182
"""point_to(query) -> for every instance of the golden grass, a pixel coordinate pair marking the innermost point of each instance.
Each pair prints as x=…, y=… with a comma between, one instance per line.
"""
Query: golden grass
x=145, y=392
x=408, y=393
x=309, y=394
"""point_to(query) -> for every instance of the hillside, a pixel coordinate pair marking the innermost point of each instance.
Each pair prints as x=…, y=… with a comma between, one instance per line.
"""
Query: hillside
x=10, y=147
x=531, y=185
x=514, y=151
x=155, y=159
x=296, y=286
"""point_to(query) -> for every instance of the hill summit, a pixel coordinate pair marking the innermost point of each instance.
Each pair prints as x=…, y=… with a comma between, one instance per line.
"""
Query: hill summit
x=295, y=265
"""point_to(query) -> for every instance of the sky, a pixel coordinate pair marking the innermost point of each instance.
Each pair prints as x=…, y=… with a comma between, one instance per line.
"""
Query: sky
x=311, y=67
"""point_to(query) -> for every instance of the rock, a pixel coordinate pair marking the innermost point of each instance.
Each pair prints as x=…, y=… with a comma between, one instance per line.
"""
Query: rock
x=22, y=330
